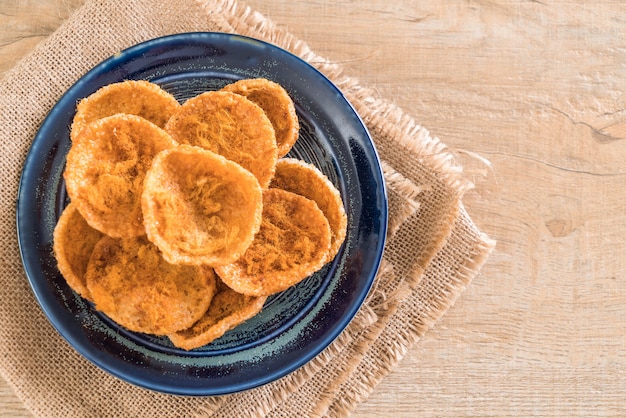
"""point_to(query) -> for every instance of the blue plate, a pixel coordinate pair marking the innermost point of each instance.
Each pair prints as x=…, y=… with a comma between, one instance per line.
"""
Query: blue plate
x=294, y=325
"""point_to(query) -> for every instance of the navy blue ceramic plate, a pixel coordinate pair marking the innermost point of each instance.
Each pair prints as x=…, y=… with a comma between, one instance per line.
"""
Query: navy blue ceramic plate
x=295, y=325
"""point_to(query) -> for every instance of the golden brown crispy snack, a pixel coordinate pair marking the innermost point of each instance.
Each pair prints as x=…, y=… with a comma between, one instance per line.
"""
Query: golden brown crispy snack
x=305, y=179
x=73, y=244
x=292, y=244
x=201, y=204
x=229, y=125
x=199, y=207
x=132, y=284
x=105, y=169
x=140, y=98
x=228, y=309
x=277, y=105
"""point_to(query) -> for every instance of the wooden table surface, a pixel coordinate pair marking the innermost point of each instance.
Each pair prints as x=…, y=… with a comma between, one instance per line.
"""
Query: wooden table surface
x=530, y=96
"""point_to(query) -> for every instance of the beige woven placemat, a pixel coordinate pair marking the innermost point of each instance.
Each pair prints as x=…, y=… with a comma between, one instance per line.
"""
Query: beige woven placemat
x=433, y=248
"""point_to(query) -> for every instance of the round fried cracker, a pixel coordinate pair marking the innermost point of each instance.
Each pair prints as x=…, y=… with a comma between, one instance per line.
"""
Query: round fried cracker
x=133, y=285
x=305, y=179
x=199, y=207
x=292, y=244
x=228, y=309
x=277, y=105
x=74, y=241
x=140, y=98
x=105, y=169
x=229, y=125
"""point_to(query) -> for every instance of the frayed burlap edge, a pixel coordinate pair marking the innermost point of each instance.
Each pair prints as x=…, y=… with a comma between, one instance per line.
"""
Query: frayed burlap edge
x=371, y=370
x=399, y=139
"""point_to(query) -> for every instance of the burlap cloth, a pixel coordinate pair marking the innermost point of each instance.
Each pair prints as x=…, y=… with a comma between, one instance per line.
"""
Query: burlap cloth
x=433, y=250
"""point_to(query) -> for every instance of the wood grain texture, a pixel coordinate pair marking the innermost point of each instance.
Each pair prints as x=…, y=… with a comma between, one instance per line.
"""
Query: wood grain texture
x=536, y=89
